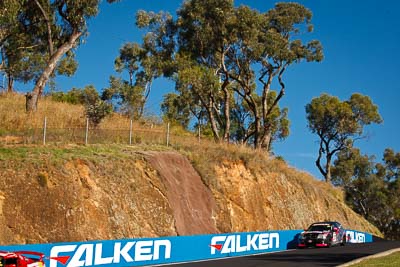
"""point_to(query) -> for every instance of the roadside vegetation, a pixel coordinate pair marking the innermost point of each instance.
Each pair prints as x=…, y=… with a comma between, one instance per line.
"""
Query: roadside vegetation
x=385, y=261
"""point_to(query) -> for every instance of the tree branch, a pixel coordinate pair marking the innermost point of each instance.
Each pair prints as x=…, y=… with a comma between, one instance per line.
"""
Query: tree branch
x=282, y=91
x=49, y=33
x=318, y=161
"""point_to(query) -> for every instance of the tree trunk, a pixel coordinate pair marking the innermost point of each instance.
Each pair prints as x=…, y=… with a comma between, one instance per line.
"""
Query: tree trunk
x=318, y=161
x=33, y=97
x=213, y=122
x=328, y=169
x=31, y=102
x=10, y=85
x=257, y=133
x=266, y=140
x=227, y=115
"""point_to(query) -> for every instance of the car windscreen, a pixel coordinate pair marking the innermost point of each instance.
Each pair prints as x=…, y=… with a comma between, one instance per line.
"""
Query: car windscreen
x=319, y=228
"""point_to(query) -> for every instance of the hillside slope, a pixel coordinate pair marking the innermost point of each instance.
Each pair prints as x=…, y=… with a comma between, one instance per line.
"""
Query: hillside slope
x=77, y=193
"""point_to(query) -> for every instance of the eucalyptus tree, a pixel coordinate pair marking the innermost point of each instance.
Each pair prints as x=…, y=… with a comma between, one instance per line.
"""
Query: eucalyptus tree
x=201, y=84
x=199, y=39
x=176, y=110
x=240, y=47
x=371, y=189
x=338, y=124
x=266, y=46
x=19, y=58
x=133, y=93
x=205, y=34
x=43, y=35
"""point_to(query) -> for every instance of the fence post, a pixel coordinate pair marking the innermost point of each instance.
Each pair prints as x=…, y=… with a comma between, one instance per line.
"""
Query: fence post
x=199, y=133
x=130, y=134
x=87, y=131
x=168, y=134
x=44, y=130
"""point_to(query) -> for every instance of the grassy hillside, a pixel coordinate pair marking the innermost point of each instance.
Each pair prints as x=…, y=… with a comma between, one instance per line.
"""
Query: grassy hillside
x=68, y=192
x=66, y=123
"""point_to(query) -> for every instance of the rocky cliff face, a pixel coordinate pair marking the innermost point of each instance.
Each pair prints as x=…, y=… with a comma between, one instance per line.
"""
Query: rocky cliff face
x=147, y=194
x=279, y=199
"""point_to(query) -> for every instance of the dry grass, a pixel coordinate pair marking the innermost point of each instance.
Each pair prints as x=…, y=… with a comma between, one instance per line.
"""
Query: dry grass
x=14, y=118
x=59, y=115
x=66, y=125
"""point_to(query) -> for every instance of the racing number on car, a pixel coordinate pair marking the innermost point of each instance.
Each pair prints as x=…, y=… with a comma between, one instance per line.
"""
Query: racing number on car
x=334, y=236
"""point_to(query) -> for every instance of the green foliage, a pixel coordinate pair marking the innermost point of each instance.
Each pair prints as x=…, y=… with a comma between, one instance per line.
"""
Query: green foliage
x=338, y=124
x=211, y=41
x=37, y=38
x=175, y=110
x=372, y=189
x=338, y=120
x=96, y=108
x=67, y=65
x=129, y=59
x=277, y=122
x=74, y=96
x=130, y=98
x=36, y=29
x=349, y=164
x=142, y=67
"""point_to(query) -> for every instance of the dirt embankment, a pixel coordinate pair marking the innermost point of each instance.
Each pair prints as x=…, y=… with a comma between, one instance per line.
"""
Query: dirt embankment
x=191, y=201
x=148, y=194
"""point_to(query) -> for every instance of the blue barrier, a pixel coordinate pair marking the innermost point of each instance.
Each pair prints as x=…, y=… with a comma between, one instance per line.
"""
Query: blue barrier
x=155, y=251
x=358, y=237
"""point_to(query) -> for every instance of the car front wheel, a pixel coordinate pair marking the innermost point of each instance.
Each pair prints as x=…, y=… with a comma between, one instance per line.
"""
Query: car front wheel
x=343, y=241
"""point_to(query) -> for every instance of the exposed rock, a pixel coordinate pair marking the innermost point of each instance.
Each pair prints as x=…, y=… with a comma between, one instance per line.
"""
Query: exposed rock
x=277, y=200
x=149, y=194
x=191, y=201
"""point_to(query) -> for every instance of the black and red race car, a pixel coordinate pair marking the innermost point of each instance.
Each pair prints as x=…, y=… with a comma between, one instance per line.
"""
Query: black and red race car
x=323, y=234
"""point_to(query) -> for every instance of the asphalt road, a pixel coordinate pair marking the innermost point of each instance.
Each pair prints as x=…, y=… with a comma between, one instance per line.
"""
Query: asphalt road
x=302, y=257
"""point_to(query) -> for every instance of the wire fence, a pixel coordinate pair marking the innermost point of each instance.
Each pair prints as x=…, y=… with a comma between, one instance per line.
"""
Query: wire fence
x=86, y=134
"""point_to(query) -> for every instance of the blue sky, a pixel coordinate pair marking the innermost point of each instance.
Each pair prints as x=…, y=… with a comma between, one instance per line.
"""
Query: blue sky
x=361, y=46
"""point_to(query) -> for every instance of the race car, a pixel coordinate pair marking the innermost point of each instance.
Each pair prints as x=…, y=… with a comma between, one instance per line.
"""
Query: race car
x=322, y=234
x=21, y=259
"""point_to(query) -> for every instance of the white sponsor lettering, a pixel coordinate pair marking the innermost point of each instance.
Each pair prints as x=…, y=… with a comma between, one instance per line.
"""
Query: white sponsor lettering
x=355, y=237
x=93, y=254
x=252, y=242
x=118, y=252
x=85, y=250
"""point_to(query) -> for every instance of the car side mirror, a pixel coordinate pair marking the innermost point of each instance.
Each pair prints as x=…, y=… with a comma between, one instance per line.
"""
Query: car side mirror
x=335, y=229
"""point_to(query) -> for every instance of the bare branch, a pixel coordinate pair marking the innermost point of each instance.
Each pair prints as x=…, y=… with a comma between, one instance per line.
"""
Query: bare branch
x=282, y=91
x=318, y=161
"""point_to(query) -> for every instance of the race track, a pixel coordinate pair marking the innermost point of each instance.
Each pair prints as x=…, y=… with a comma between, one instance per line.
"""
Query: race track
x=302, y=257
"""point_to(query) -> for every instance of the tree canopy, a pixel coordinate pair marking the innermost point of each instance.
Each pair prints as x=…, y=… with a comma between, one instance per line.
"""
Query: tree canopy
x=372, y=189
x=37, y=39
x=338, y=124
x=229, y=57
x=133, y=93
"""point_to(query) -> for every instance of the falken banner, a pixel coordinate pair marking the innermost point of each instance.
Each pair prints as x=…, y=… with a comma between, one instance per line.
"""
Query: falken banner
x=158, y=251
